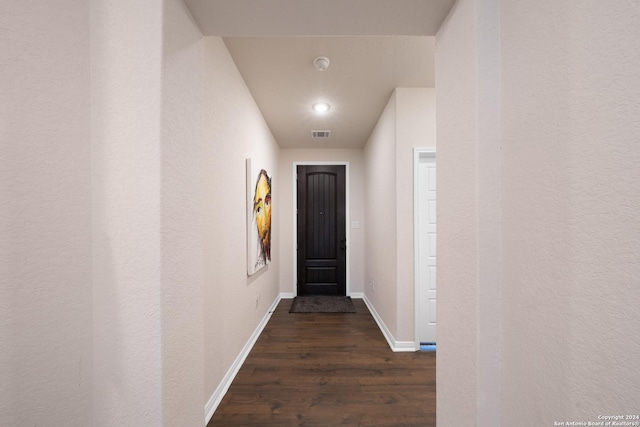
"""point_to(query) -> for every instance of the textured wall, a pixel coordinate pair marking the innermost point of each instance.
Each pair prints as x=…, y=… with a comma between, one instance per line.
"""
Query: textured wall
x=183, y=149
x=45, y=214
x=570, y=102
x=356, y=211
x=489, y=150
x=456, y=86
x=126, y=183
x=564, y=316
x=234, y=131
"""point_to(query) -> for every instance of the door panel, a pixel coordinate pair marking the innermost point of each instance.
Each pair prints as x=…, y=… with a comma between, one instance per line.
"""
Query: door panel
x=427, y=247
x=321, y=230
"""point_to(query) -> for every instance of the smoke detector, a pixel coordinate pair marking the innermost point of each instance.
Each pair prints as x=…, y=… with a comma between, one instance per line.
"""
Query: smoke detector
x=321, y=63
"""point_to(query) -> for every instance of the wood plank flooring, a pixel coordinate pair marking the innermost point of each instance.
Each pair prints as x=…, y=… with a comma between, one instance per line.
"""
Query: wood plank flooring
x=329, y=370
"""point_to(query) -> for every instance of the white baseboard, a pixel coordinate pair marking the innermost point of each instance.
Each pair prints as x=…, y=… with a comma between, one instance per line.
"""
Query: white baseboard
x=396, y=346
x=357, y=295
x=224, y=385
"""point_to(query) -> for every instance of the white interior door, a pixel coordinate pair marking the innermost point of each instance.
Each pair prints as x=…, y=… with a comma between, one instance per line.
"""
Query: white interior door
x=426, y=234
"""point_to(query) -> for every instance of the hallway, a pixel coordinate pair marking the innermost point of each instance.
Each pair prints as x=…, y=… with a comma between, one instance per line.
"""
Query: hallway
x=329, y=369
x=124, y=293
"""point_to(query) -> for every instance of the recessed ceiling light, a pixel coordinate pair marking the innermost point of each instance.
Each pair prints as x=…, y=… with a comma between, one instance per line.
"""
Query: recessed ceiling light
x=321, y=107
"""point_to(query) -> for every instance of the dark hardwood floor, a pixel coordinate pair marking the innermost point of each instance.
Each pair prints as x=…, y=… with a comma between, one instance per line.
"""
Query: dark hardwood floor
x=329, y=370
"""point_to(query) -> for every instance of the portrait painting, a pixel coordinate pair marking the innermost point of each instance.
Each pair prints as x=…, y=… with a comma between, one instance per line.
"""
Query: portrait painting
x=258, y=218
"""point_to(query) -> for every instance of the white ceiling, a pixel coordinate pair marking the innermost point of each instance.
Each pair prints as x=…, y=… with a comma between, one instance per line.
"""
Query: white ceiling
x=374, y=46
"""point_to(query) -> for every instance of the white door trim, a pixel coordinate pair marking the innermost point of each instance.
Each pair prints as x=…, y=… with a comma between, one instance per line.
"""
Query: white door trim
x=295, y=219
x=418, y=153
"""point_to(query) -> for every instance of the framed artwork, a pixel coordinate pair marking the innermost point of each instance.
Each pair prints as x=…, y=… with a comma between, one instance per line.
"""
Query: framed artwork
x=258, y=218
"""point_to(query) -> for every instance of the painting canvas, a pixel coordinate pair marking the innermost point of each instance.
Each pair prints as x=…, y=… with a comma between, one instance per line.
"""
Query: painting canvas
x=258, y=218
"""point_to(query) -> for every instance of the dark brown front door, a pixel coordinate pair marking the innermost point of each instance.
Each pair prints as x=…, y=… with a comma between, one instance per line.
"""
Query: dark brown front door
x=322, y=239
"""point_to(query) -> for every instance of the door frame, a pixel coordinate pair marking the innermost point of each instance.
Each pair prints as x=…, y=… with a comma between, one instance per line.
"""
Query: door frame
x=418, y=153
x=295, y=223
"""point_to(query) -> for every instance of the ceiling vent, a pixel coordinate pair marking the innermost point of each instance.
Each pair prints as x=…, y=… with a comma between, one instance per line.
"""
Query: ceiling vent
x=321, y=133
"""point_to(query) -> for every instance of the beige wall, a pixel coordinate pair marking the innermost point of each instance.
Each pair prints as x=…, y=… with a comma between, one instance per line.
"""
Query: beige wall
x=45, y=214
x=561, y=153
x=355, y=205
x=182, y=218
x=571, y=194
x=126, y=185
x=407, y=121
x=380, y=231
x=147, y=65
x=174, y=305
x=234, y=131
x=457, y=132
